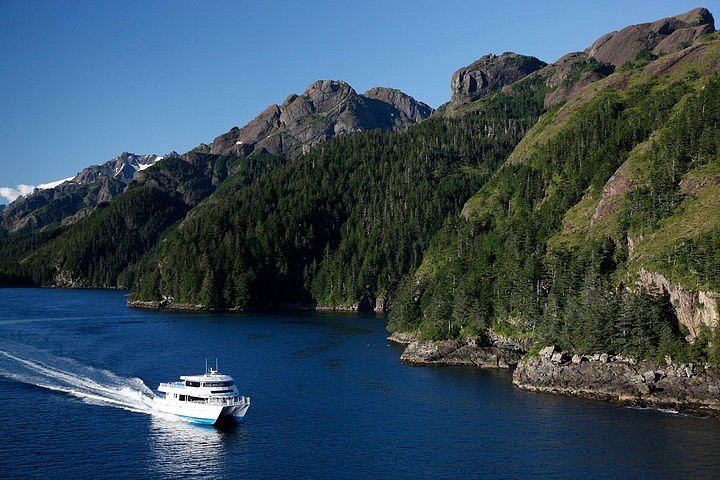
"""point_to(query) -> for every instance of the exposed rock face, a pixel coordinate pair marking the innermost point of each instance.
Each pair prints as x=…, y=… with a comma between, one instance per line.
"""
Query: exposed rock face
x=658, y=38
x=613, y=193
x=490, y=352
x=684, y=388
x=491, y=73
x=328, y=108
x=693, y=309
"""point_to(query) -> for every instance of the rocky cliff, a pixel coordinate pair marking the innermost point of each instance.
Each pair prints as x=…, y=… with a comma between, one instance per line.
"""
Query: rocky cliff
x=652, y=39
x=688, y=388
x=326, y=109
x=694, y=309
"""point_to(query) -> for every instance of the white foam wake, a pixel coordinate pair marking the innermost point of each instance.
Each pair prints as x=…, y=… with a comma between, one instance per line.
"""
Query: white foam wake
x=91, y=385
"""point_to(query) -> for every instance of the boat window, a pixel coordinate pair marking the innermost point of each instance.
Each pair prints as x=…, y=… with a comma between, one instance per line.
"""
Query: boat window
x=182, y=398
x=188, y=383
x=218, y=384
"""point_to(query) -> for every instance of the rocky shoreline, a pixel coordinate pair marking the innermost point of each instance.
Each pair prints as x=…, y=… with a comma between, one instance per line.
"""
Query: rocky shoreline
x=481, y=352
x=688, y=389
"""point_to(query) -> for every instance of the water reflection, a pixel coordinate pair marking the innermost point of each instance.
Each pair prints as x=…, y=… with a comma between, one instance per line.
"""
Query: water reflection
x=184, y=449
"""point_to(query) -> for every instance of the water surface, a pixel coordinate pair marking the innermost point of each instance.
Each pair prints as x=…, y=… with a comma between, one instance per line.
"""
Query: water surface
x=329, y=400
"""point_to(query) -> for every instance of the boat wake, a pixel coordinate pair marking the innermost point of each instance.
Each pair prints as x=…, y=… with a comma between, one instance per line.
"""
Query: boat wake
x=91, y=385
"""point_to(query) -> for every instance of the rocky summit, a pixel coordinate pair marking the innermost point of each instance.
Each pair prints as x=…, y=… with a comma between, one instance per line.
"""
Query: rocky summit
x=491, y=73
x=661, y=37
x=326, y=109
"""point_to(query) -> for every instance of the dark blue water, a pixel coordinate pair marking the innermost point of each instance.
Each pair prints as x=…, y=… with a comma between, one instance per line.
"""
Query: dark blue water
x=330, y=400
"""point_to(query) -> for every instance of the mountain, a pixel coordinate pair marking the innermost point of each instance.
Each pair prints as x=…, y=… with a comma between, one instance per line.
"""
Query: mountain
x=326, y=109
x=337, y=227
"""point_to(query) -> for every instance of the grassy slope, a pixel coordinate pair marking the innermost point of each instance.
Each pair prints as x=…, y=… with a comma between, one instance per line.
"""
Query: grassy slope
x=698, y=214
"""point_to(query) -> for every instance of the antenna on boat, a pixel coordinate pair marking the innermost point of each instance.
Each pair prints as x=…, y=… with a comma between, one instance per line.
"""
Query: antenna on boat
x=206, y=366
x=216, y=366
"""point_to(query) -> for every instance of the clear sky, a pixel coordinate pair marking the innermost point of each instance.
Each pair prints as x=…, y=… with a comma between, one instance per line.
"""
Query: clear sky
x=81, y=82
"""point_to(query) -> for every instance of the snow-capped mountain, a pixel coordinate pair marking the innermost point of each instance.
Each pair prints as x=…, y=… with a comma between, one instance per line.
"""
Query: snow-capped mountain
x=122, y=168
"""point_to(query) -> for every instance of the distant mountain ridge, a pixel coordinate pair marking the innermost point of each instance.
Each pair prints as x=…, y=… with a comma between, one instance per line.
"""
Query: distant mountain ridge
x=62, y=203
x=122, y=168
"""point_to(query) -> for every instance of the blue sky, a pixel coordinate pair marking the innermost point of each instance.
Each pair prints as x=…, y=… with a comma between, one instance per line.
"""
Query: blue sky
x=81, y=82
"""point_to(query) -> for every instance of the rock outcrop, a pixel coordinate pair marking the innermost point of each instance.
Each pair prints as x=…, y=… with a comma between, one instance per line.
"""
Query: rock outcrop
x=489, y=352
x=613, y=193
x=694, y=309
x=652, y=39
x=491, y=73
x=326, y=109
x=686, y=388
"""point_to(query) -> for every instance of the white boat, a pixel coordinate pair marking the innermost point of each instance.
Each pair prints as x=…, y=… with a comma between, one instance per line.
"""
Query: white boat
x=209, y=398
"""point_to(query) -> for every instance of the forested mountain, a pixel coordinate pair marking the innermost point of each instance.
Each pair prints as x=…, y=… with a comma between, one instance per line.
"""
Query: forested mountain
x=600, y=232
x=343, y=222
x=573, y=203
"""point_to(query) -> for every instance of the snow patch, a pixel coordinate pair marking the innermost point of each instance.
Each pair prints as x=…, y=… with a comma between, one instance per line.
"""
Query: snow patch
x=44, y=186
x=142, y=166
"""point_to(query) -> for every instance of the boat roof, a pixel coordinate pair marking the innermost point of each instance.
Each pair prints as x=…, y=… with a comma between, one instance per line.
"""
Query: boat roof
x=208, y=377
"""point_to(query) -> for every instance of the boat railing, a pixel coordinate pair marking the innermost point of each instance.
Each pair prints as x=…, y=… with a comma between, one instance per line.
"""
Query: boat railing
x=173, y=384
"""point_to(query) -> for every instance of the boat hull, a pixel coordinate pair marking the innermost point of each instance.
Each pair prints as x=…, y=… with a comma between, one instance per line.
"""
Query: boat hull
x=204, y=413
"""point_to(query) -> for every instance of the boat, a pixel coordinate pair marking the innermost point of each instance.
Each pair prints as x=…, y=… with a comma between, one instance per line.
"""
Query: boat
x=210, y=398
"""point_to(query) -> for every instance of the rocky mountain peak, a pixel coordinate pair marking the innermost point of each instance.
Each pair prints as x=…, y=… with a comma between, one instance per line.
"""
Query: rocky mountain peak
x=490, y=73
x=325, y=109
x=657, y=38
